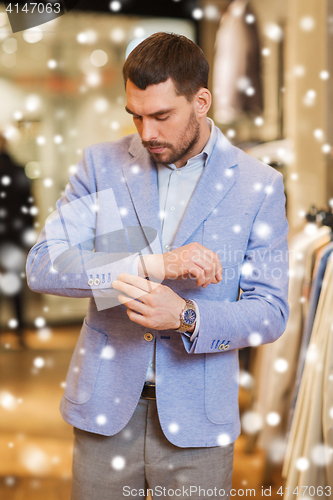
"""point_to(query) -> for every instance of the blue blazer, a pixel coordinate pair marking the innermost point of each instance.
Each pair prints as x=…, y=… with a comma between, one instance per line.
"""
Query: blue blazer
x=236, y=210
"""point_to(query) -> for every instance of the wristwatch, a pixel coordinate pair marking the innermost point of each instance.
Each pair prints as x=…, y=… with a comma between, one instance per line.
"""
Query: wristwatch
x=188, y=316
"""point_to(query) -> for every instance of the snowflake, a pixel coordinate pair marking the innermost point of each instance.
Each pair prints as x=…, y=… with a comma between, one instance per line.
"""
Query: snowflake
x=7, y=400
x=40, y=322
x=173, y=428
x=10, y=481
x=273, y=32
x=263, y=230
x=259, y=121
x=252, y=422
x=108, y=352
x=58, y=139
x=269, y=190
x=197, y=14
x=135, y=169
x=39, y=362
x=35, y=460
x=247, y=269
x=255, y=339
x=324, y=75
x=118, y=462
x=101, y=419
x=127, y=434
x=307, y=23
x=281, y=365
x=6, y=180
x=223, y=439
x=250, y=19
x=12, y=323
x=321, y=455
x=310, y=98
x=273, y=418
x=302, y=464
x=48, y=183
x=245, y=379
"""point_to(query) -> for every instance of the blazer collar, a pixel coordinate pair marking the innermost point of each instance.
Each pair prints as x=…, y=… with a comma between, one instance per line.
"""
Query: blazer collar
x=218, y=177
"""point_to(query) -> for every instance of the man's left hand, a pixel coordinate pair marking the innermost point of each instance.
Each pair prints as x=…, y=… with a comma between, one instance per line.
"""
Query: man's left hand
x=156, y=306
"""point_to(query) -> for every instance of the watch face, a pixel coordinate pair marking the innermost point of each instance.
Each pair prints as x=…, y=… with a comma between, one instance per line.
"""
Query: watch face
x=189, y=316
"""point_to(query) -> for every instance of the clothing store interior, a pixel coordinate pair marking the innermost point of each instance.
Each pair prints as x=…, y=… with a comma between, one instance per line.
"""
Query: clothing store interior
x=61, y=90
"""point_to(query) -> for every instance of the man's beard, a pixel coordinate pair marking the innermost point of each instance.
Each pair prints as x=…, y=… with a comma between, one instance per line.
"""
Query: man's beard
x=187, y=142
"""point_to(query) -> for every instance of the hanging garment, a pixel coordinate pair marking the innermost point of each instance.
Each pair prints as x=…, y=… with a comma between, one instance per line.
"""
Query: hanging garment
x=307, y=436
x=328, y=403
x=277, y=363
x=319, y=273
x=237, y=85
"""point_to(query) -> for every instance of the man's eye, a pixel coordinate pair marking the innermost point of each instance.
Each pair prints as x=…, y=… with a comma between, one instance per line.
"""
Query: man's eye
x=137, y=117
x=162, y=119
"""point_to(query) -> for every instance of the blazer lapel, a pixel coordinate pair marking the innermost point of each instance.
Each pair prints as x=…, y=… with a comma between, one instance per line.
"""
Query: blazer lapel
x=141, y=179
x=218, y=177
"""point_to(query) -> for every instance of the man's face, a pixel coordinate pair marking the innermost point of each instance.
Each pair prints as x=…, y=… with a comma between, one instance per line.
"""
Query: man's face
x=165, y=121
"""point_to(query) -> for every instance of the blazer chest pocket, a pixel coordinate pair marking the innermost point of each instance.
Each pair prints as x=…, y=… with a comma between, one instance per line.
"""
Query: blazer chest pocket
x=228, y=237
x=84, y=366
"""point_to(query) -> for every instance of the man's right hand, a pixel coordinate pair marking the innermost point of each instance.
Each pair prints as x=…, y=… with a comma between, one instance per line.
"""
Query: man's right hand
x=192, y=261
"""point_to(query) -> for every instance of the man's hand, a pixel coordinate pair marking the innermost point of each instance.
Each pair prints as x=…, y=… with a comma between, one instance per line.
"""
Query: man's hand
x=157, y=306
x=190, y=261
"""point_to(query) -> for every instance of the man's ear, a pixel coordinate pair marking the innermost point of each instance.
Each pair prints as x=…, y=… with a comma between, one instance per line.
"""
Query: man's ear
x=203, y=101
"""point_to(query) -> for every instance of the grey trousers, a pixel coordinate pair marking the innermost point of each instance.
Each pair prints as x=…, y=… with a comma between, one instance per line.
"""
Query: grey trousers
x=140, y=459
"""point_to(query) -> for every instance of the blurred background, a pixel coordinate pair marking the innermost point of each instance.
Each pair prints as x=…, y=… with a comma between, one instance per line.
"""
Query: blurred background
x=61, y=90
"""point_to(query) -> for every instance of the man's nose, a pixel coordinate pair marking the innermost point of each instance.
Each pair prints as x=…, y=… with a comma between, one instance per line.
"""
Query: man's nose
x=148, y=131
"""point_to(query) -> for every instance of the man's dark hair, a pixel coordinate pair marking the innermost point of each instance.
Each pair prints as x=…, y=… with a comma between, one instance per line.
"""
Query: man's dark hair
x=167, y=55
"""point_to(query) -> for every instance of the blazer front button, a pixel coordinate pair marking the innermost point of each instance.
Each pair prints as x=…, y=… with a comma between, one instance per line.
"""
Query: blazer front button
x=148, y=337
x=90, y=282
x=97, y=281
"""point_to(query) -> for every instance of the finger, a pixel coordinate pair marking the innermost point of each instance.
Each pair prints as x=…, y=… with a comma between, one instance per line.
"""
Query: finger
x=130, y=290
x=138, y=282
x=219, y=272
x=137, y=318
x=134, y=305
x=207, y=271
x=212, y=269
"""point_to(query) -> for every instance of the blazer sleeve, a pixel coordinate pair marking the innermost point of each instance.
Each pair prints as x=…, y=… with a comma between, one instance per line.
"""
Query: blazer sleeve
x=261, y=313
x=64, y=261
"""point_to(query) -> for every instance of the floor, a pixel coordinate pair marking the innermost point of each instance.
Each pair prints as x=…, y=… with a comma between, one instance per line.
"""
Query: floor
x=36, y=444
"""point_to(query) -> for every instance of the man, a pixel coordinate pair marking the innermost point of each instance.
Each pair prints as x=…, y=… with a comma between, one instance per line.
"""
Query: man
x=175, y=202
